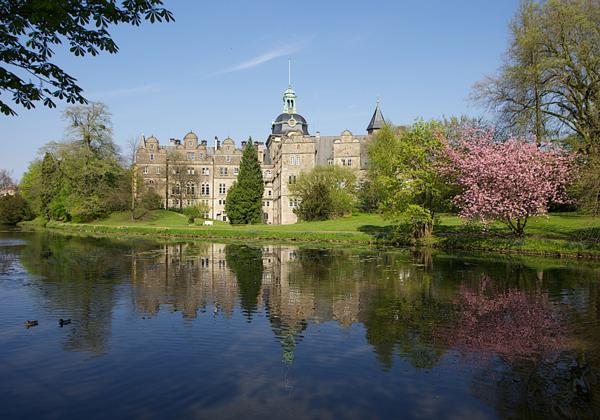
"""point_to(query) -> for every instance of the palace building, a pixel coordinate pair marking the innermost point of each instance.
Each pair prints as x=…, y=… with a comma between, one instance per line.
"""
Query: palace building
x=188, y=171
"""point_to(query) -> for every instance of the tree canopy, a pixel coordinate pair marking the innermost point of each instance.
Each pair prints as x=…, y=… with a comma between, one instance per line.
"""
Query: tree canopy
x=30, y=30
x=324, y=192
x=81, y=178
x=549, y=83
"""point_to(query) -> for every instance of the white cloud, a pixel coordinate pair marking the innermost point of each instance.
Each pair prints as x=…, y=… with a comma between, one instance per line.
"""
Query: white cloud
x=263, y=58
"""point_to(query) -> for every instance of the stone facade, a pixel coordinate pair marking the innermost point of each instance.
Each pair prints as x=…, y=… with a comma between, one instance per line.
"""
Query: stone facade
x=188, y=172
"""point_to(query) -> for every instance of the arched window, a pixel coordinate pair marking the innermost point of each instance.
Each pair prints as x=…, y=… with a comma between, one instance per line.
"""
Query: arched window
x=190, y=188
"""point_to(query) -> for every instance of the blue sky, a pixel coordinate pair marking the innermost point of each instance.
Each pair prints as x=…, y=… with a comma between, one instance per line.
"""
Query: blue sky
x=220, y=69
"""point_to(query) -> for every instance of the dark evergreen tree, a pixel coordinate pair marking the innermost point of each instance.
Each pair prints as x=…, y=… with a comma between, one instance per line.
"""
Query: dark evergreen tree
x=244, y=199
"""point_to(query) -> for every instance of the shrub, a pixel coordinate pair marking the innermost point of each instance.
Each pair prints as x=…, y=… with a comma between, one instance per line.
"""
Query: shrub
x=14, y=209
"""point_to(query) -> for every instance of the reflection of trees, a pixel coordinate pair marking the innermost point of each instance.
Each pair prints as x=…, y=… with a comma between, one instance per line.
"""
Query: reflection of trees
x=512, y=323
x=246, y=263
x=79, y=278
x=406, y=317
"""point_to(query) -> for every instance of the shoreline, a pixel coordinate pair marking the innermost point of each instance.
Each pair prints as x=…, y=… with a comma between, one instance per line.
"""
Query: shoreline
x=559, y=249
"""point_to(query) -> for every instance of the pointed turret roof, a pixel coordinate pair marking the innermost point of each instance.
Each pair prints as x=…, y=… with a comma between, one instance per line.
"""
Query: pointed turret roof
x=377, y=120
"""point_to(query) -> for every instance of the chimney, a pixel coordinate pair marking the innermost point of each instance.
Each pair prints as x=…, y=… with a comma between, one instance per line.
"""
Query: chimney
x=217, y=143
x=204, y=142
x=244, y=143
x=318, y=134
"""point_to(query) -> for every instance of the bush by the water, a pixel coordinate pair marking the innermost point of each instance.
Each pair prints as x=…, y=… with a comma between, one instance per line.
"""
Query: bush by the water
x=14, y=209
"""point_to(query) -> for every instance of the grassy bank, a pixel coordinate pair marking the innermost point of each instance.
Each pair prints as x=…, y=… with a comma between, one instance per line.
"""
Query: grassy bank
x=568, y=235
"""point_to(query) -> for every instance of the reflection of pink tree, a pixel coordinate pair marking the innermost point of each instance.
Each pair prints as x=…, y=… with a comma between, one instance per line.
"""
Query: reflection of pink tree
x=511, y=324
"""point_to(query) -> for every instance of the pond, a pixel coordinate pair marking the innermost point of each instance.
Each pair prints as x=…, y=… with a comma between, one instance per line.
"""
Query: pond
x=202, y=329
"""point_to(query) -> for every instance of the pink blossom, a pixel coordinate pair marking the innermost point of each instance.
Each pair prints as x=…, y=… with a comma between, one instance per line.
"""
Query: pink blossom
x=507, y=181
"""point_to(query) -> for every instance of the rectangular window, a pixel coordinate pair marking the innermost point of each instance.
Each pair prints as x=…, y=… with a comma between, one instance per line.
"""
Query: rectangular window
x=295, y=160
x=293, y=202
x=222, y=189
x=343, y=162
x=236, y=171
x=145, y=170
x=191, y=171
x=349, y=162
x=292, y=179
x=151, y=156
x=223, y=171
x=151, y=147
x=191, y=156
x=330, y=161
x=269, y=192
x=158, y=170
x=205, y=171
x=227, y=158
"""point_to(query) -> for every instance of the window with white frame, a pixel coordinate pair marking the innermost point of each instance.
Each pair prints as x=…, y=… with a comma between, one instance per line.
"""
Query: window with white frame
x=227, y=158
x=151, y=156
x=295, y=160
x=349, y=162
x=191, y=155
x=222, y=189
x=158, y=170
x=145, y=170
x=293, y=202
x=236, y=171
x=223, y=171
x=292, y=179
x=191, y=171
x=205, y=188
x=269, y=193
x=205, y=171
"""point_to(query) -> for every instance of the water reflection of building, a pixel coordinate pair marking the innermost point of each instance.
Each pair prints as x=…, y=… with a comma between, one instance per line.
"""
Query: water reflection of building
x=191, y=277
x=293, y=287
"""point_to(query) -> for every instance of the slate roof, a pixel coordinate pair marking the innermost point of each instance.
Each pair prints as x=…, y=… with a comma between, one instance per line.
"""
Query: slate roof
x=377, y=120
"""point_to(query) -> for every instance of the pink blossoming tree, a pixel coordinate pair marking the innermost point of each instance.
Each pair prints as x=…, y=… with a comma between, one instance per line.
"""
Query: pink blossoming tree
x=507, y=181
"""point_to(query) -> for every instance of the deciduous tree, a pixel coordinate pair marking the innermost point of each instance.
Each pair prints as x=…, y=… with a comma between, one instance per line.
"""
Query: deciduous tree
x=324, y=192
x=30, y=30
x=508, y=181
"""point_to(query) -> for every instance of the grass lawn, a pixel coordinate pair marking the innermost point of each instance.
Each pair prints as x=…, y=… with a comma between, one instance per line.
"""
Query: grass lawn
x=558, y=234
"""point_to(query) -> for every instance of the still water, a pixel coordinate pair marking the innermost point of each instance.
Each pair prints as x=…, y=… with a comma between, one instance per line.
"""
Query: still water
x=209, y=330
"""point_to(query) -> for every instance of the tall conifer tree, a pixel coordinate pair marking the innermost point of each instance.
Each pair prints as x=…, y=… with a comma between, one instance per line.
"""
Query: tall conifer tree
x=244, y=199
